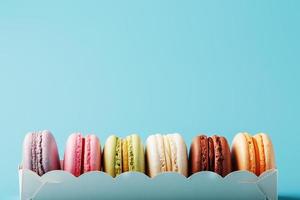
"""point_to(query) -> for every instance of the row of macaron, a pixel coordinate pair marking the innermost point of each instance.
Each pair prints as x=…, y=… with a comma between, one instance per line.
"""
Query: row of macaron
x=162, y=153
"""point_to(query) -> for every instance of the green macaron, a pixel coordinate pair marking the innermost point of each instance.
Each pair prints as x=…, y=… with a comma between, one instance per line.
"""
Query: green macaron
x=122, y=155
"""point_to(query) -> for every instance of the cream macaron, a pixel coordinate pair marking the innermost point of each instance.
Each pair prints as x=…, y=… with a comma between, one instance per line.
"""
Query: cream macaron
x=166, y=153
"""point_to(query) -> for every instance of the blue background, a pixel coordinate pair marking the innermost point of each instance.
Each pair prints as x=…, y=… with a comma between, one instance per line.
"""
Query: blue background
x=150, y=66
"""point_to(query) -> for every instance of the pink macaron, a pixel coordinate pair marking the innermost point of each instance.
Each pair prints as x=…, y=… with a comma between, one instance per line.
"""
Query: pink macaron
x=82, y=154
x=40, y=152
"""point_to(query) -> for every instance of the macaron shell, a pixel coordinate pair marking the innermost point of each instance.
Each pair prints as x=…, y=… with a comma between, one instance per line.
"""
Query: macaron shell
x=74, y=154
x=153, y=161
x=181, y=154
x=266, y=158
x=50, y=156
x=142, y=158
x=92, y=154
x=269, y=152
x=240, y=153
x=27, y=152
x=109, y=155
x=138, y=153
x=199, y=154
x=222, y=160
x=227, y=165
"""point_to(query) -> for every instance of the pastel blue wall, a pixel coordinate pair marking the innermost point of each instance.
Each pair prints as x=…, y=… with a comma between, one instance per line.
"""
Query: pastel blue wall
x=150, y=66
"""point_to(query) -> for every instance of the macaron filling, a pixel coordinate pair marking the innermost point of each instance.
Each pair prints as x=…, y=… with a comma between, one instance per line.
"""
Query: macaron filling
x=130, y=155
x=36, y=154
x=79, y=155
x=204, y=153
x=168, y=156
x=173, y=148
x=118, y=157
x=211, y=155
x=87, y=165
x=33, y=153
x=125, y=167
x=161, y=149
x=252, y=160
x=261, y=153
x=218, y=156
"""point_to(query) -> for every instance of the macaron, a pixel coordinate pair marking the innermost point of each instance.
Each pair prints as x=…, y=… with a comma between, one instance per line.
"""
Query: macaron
x=210, y=154
x=82, y=154
x=40, y=152
x=122, y=155
x=252, y=153
x=166, y=153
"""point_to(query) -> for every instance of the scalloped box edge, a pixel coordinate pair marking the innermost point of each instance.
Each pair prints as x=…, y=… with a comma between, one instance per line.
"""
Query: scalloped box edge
x=134, y=185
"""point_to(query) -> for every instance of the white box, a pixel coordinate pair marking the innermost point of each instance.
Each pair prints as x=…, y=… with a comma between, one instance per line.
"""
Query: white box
x=134, y=185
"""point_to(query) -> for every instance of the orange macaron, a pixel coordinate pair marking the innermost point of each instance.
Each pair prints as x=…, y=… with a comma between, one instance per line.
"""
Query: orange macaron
x=252, y=153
